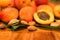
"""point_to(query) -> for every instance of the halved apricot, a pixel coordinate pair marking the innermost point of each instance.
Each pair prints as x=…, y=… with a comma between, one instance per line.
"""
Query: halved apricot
x=44, y=17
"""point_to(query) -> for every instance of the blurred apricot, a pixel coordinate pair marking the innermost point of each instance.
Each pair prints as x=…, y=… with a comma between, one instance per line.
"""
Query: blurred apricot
x=9, y=14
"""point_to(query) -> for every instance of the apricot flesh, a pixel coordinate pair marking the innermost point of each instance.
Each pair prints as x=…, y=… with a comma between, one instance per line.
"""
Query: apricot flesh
x=9, y=14
x=40, y=21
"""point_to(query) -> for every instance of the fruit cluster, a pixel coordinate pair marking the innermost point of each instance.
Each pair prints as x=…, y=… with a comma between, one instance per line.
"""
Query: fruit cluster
x=28, y=12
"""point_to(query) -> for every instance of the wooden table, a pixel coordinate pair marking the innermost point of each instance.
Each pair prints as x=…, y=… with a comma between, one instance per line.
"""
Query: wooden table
x=24, y=35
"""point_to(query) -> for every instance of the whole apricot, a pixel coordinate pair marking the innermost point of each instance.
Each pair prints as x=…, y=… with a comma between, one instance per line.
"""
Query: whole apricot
x=57, y=11
x=40, y=2
x=23, y=3
x=0, y=14
x=51, y=5
x=4, y=3
x=45, y=7
x=26, y=13
x=8, y=14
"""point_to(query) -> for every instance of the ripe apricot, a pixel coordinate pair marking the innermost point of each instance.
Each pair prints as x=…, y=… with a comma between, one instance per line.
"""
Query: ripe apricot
x=44, y=14
x=23, y=3
x=0, y=14
x=44, y=17
x=52, y=5
x=41, y=2
x=9, y=14
x=45, y=7
x=26, y=13
x=4, y=3
x=57, y=11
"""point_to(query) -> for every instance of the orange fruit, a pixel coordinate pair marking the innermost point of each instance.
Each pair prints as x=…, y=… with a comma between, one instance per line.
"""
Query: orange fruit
x=9, y=14
x=23, y=3
x=26, y=13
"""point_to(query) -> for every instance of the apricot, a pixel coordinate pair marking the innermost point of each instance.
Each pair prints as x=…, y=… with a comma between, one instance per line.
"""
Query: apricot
x=0, y=14
x=26, y=13
x=45, y=7
x=4, y=3
x=57, y=11
x=44, y=17
x=8, y=14
x=23, y=3
x=40, y=2
x=52, y=5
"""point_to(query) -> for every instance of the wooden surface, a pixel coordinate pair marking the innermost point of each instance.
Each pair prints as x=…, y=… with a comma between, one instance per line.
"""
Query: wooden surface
x=27, y=35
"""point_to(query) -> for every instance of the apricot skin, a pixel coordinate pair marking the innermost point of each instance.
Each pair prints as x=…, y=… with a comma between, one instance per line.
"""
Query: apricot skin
x=26, y=13
x=4, y=3
x=9, y=14
x=23, y=3
x=41, y=2
x=45, y=7
x=57, y=11
x=0, y=14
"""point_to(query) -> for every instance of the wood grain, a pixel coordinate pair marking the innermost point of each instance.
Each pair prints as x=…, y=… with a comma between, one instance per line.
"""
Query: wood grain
x=29, y=35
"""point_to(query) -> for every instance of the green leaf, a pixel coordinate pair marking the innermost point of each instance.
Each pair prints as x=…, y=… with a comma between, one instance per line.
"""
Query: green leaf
x=19, y=26
x=48, y=27
x=14, y=28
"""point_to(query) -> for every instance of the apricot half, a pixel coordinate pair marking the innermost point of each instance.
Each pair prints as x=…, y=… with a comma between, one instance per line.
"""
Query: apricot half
x=44, y=17
x=57, y=11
